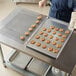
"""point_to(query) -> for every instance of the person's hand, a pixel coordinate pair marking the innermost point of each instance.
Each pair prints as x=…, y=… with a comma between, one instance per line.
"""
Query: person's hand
x=73, y=21
x=42, y=3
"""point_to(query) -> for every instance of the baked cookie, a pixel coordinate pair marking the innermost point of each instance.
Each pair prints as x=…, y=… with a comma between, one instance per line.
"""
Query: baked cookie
x=62, y=40
x=30, y=29
x=56, y=29
x=44, y=29
x=64, y=36
x=59, y=34
x=33, y=26
x=41, y=32
x=42, y=39
x=55, y=50
x=37, y=22
x=54, y=43
x=50, y=36
x=67, y=32
x=61, y=30
x=37, y=36
x=50, y=49
x=52, y=27
x=56, y=38
x=49, y=30
x=54, y=32
x=27, y=33
x=32, y=42
x=38, y=44
x=22, y=37
x=47, y=41
x=58, y=45
x=45, y=34
x=44, y=46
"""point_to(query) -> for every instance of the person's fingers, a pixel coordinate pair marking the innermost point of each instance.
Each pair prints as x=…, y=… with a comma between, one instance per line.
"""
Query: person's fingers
x=41, y=4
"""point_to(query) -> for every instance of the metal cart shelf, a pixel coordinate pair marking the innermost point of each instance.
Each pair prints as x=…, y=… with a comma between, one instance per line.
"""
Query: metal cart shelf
x=26, y=65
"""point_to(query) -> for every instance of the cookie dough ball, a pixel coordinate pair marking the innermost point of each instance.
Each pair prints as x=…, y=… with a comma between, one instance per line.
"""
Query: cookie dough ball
x=30, y=29
x=44, y=29
x=47, y=41
x=37, y=36
x=62, y=40
x=42, y=39
x=64, y=36
x=52, y=27
x=50, y=36
x=54, y=32
x=55, y=50
x=44, y=46
x=56, y=29
x=33, y=26
x=41, y=33
x=54, y=43
x=56, y=38
x=38, y=44
x=50, y=49
x=59, y=34
x=49, y=30
x=27, y=33
x=37, y=22
x=22, y=37
x=67, y=32
x=61, y=30
x=58, y=45
x=45, y=34
x=32, y=42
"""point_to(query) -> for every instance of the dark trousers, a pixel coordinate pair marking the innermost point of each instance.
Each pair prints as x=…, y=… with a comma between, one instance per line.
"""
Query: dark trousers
x=64, y=15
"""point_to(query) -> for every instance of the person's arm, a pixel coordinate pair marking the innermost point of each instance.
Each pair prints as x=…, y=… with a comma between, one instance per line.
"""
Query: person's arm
x=73, y=20
x=42, y=3
x=73, y=16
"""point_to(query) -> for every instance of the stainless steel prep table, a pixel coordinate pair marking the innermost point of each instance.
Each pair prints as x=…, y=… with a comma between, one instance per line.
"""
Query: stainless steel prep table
x=65, y=61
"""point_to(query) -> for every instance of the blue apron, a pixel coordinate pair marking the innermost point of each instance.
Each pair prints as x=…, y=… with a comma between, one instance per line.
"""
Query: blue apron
x=61, y=10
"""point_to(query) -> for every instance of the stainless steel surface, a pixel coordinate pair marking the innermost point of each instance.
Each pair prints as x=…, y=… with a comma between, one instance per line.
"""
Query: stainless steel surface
x=47, y=25
x=6, y=40
x=21, y=60
x=62, y=62
x=38, y=67
x=19, y=24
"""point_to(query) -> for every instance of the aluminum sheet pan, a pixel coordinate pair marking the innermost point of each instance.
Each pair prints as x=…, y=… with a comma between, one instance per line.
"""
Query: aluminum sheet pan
x=18, y=22
x=50, y=22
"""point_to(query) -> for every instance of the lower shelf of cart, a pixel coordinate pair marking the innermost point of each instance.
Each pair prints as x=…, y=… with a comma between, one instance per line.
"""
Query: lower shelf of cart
x=29, y=66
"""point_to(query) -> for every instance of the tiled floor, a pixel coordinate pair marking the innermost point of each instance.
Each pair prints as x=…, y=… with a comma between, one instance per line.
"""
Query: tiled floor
x=6, y=6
